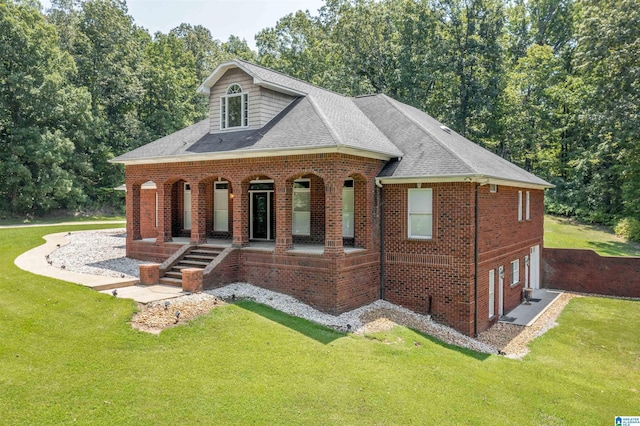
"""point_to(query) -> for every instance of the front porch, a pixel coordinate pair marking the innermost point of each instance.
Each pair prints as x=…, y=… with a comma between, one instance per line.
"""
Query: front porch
x=301, y=225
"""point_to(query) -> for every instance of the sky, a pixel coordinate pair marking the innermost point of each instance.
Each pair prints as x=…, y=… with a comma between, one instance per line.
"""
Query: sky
x=243, y=18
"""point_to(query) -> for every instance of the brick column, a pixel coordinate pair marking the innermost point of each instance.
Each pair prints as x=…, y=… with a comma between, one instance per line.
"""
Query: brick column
x=363, y=212
x=198, y=213
x=133, y=212
x=164, y=212
x=149, y=273
x=333, y=218
x=284, y=226
x=192, y=280
x=240, y=206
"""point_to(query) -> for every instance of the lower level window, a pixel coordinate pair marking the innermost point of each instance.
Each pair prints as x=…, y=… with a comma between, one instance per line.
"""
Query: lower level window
x=515, y=272
x=420, y=213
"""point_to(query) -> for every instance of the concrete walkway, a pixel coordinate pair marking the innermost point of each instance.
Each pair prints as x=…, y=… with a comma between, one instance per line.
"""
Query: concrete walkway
x=526, y=314
x=35, y=261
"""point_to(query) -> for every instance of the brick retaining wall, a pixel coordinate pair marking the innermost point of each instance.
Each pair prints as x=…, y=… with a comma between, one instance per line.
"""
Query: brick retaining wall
x=588, y=272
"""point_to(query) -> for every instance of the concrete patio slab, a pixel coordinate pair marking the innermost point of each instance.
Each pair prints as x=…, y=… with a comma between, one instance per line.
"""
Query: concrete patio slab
x=146, y=294
x=526, y=314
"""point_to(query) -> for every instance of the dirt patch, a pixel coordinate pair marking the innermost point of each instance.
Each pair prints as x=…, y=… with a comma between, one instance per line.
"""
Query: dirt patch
x=157, y=316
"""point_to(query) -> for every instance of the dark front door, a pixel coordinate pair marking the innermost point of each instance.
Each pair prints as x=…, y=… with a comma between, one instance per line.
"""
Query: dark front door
x=262, y=217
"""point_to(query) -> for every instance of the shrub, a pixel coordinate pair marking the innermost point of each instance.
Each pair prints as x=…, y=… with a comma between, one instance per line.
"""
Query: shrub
x=628, y=228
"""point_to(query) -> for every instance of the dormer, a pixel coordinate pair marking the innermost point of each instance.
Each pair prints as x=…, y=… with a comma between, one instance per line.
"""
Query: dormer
x=240, y=101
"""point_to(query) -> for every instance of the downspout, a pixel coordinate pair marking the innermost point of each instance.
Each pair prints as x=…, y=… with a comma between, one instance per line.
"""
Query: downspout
x=381, y=218
x=475, y=264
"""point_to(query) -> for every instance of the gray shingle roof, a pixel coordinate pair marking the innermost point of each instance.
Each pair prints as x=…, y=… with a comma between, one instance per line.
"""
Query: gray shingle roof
x=430, y=150
x=319, y=118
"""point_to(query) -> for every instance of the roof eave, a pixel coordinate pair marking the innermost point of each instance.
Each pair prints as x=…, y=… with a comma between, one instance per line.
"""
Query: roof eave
x=205, y=87
x=469, y=178
x=275, y=152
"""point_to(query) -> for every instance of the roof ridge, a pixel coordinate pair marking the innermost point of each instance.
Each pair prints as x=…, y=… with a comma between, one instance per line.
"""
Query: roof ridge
x=427, y=132
x=306, y=83
x=325, y=121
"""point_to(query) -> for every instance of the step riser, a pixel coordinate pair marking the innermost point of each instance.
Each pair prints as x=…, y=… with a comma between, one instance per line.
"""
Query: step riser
x=198, y=258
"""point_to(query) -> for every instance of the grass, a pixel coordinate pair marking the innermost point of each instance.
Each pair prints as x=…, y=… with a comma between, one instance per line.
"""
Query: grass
x=68, y=355
x=565, y=233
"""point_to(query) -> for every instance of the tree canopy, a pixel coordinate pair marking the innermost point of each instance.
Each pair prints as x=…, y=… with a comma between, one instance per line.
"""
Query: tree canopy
x=551, y=85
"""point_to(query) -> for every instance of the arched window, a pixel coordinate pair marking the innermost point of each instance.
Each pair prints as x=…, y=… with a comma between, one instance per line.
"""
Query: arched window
x=234, y=108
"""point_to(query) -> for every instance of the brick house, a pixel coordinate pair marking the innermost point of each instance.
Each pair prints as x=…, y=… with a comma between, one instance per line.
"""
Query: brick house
x=336, y=201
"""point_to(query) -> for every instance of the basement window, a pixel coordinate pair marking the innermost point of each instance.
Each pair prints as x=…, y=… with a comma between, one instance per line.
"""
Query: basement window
x=515, y=272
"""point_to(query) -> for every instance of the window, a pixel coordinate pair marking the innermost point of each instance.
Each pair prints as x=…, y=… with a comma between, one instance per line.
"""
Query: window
x=492, y=292
x=234, y=108
x=519, y=206
x=515, y=272
x=348, y=218
x=221, y=207
x=301, y=207
x=528, y=206
x=420, y=213
x=493, y=188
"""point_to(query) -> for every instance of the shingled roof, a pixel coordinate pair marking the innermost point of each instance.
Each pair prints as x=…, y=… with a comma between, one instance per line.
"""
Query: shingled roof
x=416, y=146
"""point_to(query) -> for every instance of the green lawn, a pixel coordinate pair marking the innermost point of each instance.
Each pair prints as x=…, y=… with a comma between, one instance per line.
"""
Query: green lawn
x=11, y=221
x=68, y=355
x=561, y=232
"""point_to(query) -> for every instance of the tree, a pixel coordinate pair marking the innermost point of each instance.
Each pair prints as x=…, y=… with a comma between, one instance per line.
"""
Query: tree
x=42, y=117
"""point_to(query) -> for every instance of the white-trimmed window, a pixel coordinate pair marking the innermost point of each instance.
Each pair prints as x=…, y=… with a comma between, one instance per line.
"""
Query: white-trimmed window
x=493, y=188
x=420, y=213
x=492, y=292
x=348, y=216
x=234, y=108
x=221, y=207
x=528, y=206
x=515, y=272
x=301, y=207
x=519, y=206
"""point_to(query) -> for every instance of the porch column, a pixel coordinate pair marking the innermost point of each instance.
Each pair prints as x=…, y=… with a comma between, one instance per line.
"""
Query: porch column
x=240, y=206
x=333, y=218
x=198, y=213
x=133, y=212
x=284, y=227
x=164, y=213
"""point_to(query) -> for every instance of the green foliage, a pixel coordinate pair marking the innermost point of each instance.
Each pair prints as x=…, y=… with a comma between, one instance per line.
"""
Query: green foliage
x=69, y=355
x=629, y=229
x=560, y=232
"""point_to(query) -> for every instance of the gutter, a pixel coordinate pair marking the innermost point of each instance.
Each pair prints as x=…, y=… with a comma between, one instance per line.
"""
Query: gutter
x=475, y=265
x=382, y=252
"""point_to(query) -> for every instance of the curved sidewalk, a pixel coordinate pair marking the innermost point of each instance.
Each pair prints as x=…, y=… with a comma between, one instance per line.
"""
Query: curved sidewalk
x=35, y=261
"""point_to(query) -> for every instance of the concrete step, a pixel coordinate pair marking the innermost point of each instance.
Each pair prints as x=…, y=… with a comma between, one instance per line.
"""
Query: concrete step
x=171, y=281
x=206, y=258
x=186, y=263
x=173, y=274
x=206, y=251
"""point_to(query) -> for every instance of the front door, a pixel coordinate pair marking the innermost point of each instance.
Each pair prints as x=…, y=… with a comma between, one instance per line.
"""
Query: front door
x=262, y=216
x=501, y=290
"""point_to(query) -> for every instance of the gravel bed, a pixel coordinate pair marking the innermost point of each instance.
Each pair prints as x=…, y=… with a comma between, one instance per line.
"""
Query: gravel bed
x=97, y=253
x=156, y=316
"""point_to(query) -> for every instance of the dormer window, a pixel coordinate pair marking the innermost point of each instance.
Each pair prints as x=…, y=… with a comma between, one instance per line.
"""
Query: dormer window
x=234, y=108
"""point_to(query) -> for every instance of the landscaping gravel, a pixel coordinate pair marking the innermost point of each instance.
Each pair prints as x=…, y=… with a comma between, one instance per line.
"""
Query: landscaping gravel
x=97, y=253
